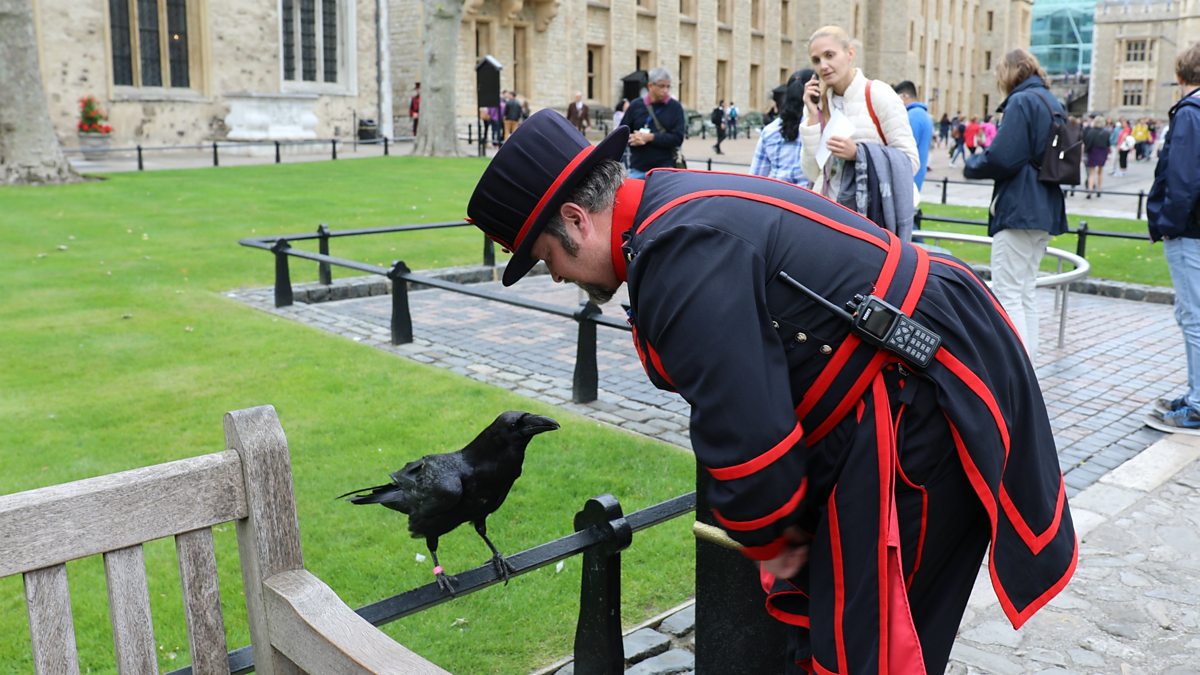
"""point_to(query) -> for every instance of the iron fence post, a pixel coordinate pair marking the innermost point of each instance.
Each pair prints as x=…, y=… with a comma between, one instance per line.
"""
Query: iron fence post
x=917, y=220
x=1141, y=198
x=324, y=272
x=583, y=388
x=710, y=163
x=733, y=633
x=470, y=129
x=1081, y=241
x=283, y=279
x=216, y=161
x=599, y=649
x=489, y=252
x=402, y=329
x=945, y=184
x=385, y=146
x=333, y=148
x=277, y=152
x=141, y=167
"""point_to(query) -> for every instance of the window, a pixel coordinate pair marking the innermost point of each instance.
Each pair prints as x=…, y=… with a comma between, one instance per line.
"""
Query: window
x=724, y=15
x=854, y=26
x=520, y=61
x=687, y=8
x=722, y=79
x=756, y=87
x=595, y=71
x=683, y=89
x=483, y=39
x=785, y=18
x=312, y=40
x=1135, y=50
x=756, y=15
x=991, y=21
x=647, y=5
x=987, y=60
x=150, y=45
x=1132, y=93
x=643, y=60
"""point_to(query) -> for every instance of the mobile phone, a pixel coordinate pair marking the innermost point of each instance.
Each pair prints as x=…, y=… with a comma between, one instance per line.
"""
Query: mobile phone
x=816, y=100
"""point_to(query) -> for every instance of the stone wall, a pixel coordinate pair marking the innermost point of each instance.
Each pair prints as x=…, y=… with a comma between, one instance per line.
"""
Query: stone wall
x=235, y=47
x=1170, y=25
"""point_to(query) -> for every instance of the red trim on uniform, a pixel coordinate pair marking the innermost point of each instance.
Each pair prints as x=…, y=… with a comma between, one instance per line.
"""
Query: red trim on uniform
x=818, y=669
x=924, y=507
x=629, y=197
x=537, y=210
x=853, y=394
x=1054, y=590
x=885, y=449
x=779, y=203
x=977, y=387
x=1036, y=542
x=917, y=286
x=651, y=360
x=839, y=585
x=658, y=365
x=766, y=551
x=768, y=581
x=759, y=523
x=760, y=462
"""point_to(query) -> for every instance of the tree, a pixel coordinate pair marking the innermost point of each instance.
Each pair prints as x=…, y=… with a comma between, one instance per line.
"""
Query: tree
x=437, y=135
x=29, y=148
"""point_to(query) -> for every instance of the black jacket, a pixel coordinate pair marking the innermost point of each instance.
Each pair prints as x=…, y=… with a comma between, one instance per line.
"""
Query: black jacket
x=1019, y=200
x=1173, y=207
x=661, y=151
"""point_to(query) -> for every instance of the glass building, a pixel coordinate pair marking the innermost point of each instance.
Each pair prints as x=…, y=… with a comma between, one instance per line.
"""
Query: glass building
x=1062, y=35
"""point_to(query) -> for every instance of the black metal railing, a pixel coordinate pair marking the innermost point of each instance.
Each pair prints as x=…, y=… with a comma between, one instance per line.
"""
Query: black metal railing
x=602, y=531
x=139, y=151
x=1070, y=191
x=1082, y=232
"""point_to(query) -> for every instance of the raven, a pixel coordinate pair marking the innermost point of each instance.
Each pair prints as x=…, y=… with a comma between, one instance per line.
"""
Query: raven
x=440, y=492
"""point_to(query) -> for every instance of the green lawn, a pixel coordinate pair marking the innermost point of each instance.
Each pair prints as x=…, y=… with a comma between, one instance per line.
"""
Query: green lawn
x=1110, y=257
x=120, y=350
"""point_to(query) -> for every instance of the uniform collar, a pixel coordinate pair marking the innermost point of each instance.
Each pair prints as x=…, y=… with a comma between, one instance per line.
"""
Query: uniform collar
x=629, y=196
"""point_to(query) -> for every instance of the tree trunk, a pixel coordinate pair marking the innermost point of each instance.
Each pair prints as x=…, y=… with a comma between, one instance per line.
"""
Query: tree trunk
x=436, y=135
x=29, y=149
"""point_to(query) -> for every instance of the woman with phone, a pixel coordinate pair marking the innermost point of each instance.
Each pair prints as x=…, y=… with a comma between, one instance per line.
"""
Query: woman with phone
x=839, y=88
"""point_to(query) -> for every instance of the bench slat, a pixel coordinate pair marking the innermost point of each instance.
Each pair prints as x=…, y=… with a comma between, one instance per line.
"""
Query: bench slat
x=129, y=610
x=202, y=602
x=55, y=524
x=51, y=628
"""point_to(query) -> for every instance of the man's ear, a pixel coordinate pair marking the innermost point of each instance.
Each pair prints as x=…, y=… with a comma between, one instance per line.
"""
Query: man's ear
x=574, y=215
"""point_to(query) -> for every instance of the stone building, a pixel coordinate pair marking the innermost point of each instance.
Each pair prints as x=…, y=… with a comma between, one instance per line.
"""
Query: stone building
x=735, y=50
x=1134, y=49
x=175, y=72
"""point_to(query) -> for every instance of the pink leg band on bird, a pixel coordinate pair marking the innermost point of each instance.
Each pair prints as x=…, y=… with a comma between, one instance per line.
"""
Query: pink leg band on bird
x=437, y=570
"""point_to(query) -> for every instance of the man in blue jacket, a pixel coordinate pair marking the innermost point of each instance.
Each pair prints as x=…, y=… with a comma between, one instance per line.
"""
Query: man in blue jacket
x=922, y=126
x=1173, y=214
x=656, y=126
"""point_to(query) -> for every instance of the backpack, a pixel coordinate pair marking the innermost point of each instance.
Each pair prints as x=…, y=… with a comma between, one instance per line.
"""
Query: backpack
x=718, y=116
x=1064, y=151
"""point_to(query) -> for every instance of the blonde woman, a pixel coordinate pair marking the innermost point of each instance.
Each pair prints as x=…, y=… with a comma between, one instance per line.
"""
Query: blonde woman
x=839, y=86
x=1025, y=212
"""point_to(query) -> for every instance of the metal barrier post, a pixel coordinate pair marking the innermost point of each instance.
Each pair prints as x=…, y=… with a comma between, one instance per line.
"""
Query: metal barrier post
x=917, y=220
x=1141, y=198
x=385, y=146
x=216, y=162
x=1081, y=242
x=141, y=167
x=945, y=184
x=333, y=147
x=402, y=329
x=733, y=633
x=469, y=130
x=277, y=152
x=585, y=382
x=599, y=649
x=324, y=273
x=710, y=163
x=489, y=252
x=283, y=279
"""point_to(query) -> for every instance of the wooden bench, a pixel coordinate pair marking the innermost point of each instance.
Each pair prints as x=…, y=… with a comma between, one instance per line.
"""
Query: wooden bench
x=297, y=623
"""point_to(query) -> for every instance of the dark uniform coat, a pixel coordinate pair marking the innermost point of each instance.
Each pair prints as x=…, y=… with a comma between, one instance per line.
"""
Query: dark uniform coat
x=799, y=422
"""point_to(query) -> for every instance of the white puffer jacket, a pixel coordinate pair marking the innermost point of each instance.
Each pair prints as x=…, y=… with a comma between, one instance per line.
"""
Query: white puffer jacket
x=889, y=109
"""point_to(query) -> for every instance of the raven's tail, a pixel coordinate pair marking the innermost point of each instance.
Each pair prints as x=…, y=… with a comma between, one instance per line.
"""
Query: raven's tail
x=371, y=495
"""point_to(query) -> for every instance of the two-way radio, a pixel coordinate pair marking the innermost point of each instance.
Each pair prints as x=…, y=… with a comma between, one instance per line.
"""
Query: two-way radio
x=880, y=324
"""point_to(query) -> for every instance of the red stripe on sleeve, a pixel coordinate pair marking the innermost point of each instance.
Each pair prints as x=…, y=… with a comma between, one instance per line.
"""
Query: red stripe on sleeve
x=760, y=462
x=759, y=523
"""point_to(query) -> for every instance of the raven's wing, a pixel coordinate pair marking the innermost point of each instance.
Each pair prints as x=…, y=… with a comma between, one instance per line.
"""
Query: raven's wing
x=432, y=485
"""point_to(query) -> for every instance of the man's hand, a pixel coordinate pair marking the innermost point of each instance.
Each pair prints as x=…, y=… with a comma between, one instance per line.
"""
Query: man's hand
x=639, y=138
x=843, y=147
x=793, y=557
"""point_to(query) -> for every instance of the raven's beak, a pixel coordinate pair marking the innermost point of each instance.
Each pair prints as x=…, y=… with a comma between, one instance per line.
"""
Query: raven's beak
x=532, y=425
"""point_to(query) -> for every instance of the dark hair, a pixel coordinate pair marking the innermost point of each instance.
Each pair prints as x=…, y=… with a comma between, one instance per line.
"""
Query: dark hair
x=906, y=87
x=793, y=103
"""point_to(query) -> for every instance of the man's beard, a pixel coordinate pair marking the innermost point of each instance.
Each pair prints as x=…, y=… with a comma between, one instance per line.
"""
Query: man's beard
x=597, y=294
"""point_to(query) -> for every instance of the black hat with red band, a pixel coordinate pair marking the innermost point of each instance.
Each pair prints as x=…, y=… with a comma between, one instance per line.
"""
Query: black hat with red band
x=529, y=179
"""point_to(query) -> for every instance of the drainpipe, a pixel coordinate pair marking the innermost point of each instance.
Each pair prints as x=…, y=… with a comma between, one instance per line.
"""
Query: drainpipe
x=383, y=69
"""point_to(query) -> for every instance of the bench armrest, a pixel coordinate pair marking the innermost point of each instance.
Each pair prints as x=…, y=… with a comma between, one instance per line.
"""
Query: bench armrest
x=311, y=626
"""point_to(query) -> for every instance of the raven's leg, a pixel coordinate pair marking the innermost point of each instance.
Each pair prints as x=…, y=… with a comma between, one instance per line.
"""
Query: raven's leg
x=503, y=568
x=443, y=581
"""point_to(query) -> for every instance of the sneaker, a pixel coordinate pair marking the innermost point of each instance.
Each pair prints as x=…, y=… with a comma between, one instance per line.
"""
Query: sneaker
x=1183, y=421
x=1166, y=405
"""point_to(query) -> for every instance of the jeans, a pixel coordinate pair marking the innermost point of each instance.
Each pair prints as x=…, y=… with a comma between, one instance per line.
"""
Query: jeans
x=636, y=173
x=1016, y=256
x=1183, y=261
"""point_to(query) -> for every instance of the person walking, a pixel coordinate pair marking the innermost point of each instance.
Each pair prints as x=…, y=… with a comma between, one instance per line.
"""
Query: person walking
x=577, y=113
x=1025, y=212
x=958, y=133
x=974, y=135
x=777, y=154
x=1095, y=148
x=513, y=113
x=414, y=108
x=867, y=493
x=1125, y=143
x=732, y=117
x=922, y=126
x=943, y=131
x=656, y=121
x=1173, y=217
x=717, y=117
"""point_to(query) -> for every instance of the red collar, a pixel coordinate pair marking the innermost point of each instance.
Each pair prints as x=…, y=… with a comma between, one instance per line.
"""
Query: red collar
x=629, y=196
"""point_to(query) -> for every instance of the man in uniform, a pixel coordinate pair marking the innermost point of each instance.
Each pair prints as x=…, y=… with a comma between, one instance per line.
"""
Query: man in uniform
x=868, y=481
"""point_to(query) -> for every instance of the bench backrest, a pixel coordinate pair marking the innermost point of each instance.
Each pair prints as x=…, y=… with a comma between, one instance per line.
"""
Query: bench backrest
x=303, y=623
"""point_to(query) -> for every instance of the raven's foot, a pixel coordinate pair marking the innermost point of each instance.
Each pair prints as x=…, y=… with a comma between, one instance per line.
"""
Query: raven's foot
x=503, y=568
x=444, y=582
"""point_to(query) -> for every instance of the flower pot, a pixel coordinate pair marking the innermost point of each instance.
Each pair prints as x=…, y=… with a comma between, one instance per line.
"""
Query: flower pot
x=94, y=145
